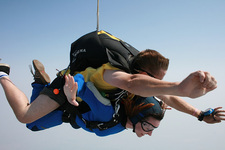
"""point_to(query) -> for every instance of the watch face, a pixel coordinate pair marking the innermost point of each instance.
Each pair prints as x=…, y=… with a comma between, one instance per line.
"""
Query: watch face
x=208, y=111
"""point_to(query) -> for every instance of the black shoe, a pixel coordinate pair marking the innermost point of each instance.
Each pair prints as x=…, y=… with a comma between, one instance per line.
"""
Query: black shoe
x=40, y=76
x=5, y=68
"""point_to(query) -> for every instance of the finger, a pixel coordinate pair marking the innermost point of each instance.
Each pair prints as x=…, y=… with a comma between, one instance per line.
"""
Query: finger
x=71, y=81
x=211, y=88
x=206, y=79
x=69, y=77
x=67, y=83
x=74, y=89
x=211, y=85
x=217, y=111
x=210, y=81
x=74, y=102
x=217, y=108
x=66, y=79
x=201, y=75
x=219, y=114
x=222, y=119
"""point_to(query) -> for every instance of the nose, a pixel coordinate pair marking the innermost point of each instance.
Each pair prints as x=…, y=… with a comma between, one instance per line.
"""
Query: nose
x=150, y=133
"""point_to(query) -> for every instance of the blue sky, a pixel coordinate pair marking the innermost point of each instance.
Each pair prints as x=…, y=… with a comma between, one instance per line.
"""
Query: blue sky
x=190, y=33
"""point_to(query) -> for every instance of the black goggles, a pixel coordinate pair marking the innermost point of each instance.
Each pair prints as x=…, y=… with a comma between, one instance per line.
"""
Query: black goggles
x=147, y=126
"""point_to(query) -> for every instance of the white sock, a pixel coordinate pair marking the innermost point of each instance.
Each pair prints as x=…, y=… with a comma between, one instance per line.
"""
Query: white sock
x=2, y=74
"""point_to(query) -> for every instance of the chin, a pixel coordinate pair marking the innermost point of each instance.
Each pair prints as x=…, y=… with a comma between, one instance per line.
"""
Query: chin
x=140, y=135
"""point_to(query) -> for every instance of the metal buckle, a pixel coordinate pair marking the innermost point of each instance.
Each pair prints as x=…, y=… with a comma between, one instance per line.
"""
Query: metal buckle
x=100, y=126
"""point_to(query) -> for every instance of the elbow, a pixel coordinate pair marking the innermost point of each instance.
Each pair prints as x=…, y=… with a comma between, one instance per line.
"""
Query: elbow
x=129, y=86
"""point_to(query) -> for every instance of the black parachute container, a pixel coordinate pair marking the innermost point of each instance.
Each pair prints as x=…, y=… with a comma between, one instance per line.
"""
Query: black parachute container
x=99, y=47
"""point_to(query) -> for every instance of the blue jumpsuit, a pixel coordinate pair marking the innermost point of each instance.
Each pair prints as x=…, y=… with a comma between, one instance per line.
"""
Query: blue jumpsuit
x=101, y=109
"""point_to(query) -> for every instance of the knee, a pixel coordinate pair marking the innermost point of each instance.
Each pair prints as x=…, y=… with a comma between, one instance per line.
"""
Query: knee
x=23, y=119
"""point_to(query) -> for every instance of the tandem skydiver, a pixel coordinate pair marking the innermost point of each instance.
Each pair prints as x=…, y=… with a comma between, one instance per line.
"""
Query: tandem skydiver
x=142, y=75
x=147, y=116
x=143, y=115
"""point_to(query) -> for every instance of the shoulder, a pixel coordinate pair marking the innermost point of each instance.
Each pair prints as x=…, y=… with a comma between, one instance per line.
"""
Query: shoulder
x=109, y=67
x=116, y=78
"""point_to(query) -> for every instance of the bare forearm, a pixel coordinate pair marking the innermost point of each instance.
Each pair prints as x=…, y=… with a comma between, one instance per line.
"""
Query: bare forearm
x=140, y=84
x=145, y=86
x=180, y=105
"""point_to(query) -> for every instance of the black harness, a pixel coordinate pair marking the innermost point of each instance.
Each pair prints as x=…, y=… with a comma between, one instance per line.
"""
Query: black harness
x=70, y=113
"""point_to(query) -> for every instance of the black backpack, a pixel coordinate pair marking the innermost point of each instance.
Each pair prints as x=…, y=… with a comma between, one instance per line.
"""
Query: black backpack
x=99, y=47
x=93, y=50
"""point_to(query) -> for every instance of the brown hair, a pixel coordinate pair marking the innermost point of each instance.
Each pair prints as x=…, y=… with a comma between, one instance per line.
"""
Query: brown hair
x=132, y=109
x=150, y=60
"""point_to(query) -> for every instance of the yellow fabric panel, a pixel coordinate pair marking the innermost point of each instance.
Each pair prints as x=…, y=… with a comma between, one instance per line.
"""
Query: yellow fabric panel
x=96, y=77
x=113, y=37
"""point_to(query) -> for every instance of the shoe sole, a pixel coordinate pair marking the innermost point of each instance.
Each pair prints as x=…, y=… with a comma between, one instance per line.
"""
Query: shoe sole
x=5, y=68
x=39, y=67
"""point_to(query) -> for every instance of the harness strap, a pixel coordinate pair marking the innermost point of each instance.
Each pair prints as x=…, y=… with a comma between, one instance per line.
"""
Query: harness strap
x=104, y=125
x=71, y=112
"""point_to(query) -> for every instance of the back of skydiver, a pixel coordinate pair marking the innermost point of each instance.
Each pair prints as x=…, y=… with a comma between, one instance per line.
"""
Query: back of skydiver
x=101, y=108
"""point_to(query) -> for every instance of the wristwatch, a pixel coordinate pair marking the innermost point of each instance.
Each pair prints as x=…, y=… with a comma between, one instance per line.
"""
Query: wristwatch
x=207, y=112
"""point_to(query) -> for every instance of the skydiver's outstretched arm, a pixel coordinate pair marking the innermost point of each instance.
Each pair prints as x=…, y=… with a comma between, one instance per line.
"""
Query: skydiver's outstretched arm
x=195, y=85
x=181, y=105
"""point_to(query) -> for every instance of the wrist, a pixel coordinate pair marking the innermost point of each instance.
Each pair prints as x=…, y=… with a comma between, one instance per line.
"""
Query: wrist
x=201, y=116
x=196, y=113
x=207, y=112
x=176, y=89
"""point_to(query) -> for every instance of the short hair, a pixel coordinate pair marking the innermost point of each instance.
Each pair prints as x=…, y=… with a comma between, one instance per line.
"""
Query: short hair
x=150, y=60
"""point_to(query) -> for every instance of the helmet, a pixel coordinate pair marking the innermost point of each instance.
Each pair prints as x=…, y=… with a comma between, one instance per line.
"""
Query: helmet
x=155, y=111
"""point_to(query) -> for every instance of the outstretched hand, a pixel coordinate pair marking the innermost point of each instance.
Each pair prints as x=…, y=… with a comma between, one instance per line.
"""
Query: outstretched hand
x=70, y=90
x=197, y=84
x=216, y=117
